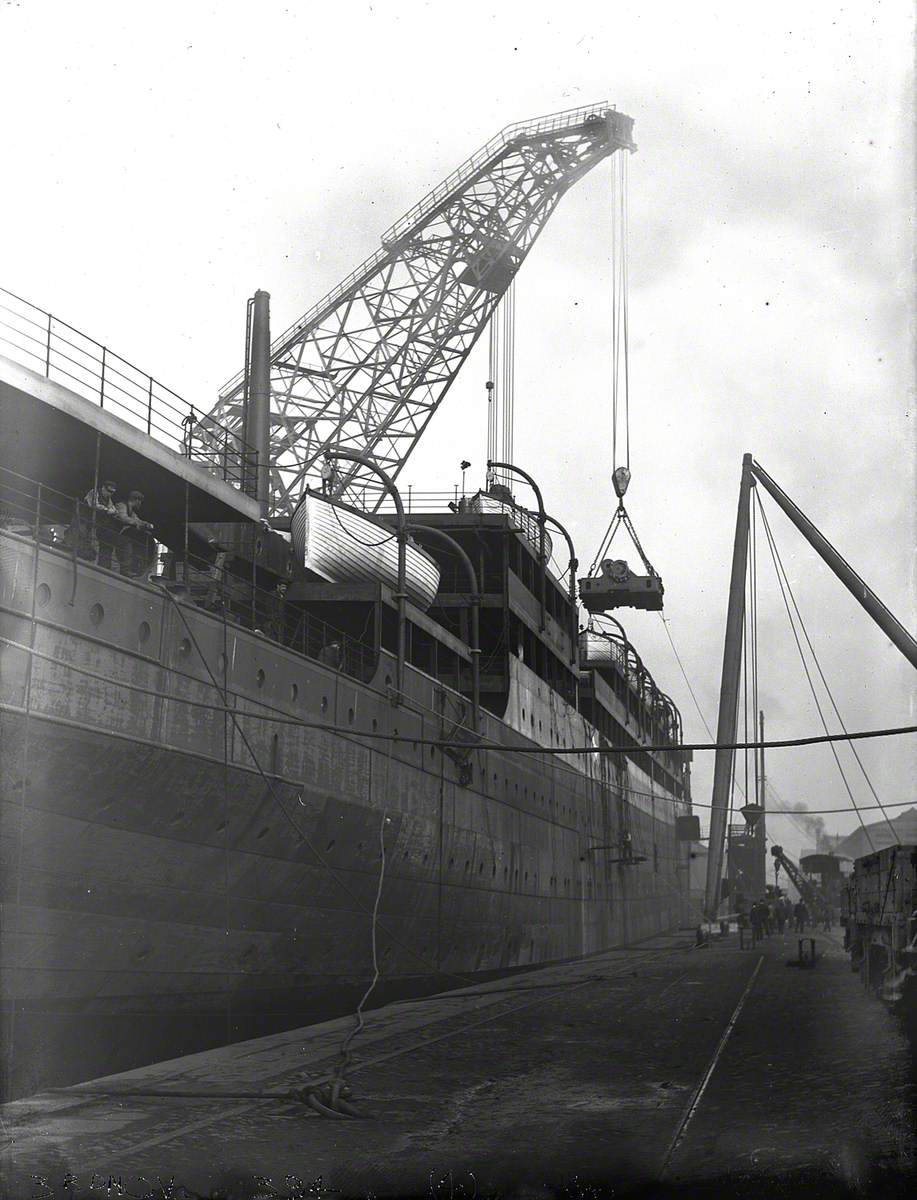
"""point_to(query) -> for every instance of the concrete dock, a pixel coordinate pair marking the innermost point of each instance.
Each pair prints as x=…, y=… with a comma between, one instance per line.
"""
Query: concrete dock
x=660, y=1069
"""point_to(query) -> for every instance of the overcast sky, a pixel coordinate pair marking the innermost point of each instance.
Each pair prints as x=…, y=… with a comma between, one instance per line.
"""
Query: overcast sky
x=161, y=163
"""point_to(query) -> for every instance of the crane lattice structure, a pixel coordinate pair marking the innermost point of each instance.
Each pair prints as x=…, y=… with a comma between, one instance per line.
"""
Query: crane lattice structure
x=367, y=367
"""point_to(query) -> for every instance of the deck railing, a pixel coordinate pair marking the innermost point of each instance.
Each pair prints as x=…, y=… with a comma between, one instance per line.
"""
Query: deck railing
x=65, y=523
x=50, y=346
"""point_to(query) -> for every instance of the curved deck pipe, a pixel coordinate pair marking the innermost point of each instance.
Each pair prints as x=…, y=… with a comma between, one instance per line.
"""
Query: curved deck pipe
x=574, y=564
x=542, y=517
x=448, y=540
x=401, y=595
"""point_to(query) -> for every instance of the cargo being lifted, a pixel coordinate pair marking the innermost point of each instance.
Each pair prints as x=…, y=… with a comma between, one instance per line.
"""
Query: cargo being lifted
x=616, y=585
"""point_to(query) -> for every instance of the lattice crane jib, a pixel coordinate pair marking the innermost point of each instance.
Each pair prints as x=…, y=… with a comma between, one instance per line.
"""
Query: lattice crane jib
x=366, y=368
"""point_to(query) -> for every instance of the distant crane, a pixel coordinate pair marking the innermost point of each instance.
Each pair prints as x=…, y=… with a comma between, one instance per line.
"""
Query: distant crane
x=808, y=891
x=367, y=367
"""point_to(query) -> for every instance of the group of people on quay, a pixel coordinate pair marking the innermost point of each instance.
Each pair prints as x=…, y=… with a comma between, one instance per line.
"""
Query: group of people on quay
x=778, y=914
x=115, y=529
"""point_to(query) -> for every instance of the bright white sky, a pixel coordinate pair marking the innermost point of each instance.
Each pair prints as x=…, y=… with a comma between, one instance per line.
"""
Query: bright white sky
x=162, y=162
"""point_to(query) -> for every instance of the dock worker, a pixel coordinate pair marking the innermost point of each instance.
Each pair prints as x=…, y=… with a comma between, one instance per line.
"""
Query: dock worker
x=102, y=500
x=754, y=916
x=801, y=915
x=135, y=546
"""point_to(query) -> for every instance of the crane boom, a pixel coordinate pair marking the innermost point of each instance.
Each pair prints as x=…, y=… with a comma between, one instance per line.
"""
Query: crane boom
x=807, y=890
x=365, y=368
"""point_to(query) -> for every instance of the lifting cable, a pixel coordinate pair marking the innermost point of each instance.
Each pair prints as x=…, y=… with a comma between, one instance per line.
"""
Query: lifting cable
x=784, y=583
x=620, y=367
x=620, y=371
x=501, y=384
x=821, y=673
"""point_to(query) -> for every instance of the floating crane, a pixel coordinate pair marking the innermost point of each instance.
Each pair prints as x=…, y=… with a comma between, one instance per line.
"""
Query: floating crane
x=365, y=369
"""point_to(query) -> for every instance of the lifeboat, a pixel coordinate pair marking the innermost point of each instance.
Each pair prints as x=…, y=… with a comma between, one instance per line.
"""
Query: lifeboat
x=341, y=545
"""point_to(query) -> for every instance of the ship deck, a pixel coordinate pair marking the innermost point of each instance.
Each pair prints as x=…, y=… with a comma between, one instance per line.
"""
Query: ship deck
x=660, y=1068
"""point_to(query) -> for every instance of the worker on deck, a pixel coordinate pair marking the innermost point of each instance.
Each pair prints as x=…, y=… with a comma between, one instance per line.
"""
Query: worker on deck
x=332, y=655
x=327, y=476
x=101, y=500
x=135, y=545
x=801, y=915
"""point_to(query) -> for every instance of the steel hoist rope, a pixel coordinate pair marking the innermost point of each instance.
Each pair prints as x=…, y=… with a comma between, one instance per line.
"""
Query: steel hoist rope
x=784, y=583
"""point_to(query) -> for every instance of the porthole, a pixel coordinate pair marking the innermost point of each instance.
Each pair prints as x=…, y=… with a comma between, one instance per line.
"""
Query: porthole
x=523, y=714
x=350, y=716
x=260, y=677
x=294, y=691
x=480, y=868
x=433, y=752
x=43, y=595
x=96, y=614
x=324, y=704
x=388, y=681
x=184, y=647
x=375, y=724
x=144, y=633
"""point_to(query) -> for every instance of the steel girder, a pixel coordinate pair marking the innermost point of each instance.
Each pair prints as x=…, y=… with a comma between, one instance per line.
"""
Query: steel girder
x=366, y=368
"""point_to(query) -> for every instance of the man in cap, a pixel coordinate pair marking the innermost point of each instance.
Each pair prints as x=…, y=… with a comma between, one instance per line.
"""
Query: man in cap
x=135, y=549
x=102, y=500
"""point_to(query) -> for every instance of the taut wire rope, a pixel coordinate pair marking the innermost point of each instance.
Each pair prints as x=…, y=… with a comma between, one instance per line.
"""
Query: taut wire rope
x=821, y=673
x=808, y=674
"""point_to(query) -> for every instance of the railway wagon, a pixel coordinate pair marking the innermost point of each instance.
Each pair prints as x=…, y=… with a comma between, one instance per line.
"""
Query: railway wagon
x=879, y=912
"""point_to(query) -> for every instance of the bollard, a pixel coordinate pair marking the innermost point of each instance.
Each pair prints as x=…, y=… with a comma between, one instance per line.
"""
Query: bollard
x=807, y=960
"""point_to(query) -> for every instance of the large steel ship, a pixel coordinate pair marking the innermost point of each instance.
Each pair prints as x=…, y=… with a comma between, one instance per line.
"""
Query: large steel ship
x=219, y=748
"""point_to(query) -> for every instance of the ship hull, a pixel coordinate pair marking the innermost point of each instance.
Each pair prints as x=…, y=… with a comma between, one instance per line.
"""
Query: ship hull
x=177, y=876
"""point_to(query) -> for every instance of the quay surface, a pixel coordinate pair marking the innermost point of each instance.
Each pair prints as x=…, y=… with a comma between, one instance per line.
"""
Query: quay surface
x=657, y=1070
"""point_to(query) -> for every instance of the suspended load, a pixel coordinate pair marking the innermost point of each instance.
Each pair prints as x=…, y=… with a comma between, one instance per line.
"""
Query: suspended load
x=616, y=585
